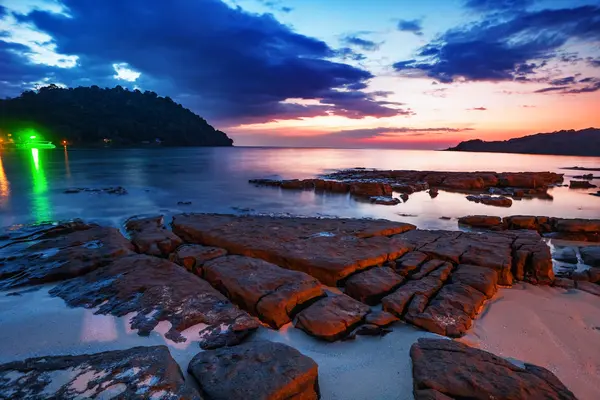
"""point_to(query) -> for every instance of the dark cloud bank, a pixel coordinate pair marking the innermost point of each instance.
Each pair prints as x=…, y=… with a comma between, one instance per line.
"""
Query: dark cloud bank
x=224, y=63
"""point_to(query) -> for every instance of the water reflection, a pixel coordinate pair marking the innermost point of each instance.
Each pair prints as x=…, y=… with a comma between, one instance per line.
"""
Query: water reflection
x=67, y=168
x=4, y=185
x=42, y=210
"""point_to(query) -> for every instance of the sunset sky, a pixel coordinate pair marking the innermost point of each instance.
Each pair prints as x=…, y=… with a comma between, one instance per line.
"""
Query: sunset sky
x=335, y=73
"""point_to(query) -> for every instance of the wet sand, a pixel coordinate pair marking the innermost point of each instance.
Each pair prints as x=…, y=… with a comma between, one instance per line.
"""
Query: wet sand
x=551, y=327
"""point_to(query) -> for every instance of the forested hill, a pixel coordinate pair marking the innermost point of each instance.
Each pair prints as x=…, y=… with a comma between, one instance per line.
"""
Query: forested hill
x=585, y=142
x=91, y=116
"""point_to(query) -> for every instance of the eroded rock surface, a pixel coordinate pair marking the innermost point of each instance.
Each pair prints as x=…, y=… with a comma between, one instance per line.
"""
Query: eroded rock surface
x=370, y=286
x=193, y=256
x=136, y=373
x=261, y=288
x=446, y=369
x=150, y=236
x=158, y=290
x=331, y=318
x=259, y=370
x=590, y=255
x=59, y=252
x=327, y=249
x=558, y=228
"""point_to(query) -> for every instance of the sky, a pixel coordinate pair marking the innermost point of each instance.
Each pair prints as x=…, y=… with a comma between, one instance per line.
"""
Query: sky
x=421, y=74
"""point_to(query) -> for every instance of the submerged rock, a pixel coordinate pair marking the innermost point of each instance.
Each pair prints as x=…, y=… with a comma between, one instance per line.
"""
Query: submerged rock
x=136, y=373
x=259, y=370
x=156, y=290
x=446, y=369
x=263, y=289
x=384, y=200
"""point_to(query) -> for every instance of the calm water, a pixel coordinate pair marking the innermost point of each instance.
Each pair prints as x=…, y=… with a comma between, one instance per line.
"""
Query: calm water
x=215, y=180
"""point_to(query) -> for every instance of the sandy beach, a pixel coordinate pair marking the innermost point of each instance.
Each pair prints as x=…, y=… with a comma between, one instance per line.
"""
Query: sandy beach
x=550, y=327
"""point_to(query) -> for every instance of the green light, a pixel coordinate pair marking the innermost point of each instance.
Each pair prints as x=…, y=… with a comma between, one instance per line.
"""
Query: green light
x=41, y=206
x=32, y=137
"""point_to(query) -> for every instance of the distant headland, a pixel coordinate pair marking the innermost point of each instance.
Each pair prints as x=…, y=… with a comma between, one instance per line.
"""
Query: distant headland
x=96, y=117
x=585, y=142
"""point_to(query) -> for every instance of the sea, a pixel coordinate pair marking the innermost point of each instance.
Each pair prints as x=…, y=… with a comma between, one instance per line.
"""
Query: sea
x=169, y=181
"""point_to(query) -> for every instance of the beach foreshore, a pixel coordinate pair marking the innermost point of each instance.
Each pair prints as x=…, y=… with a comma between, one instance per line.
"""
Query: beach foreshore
x=217, y=282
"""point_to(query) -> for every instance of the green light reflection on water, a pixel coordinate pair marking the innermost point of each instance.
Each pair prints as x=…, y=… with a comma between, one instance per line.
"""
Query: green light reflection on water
x=41, y=204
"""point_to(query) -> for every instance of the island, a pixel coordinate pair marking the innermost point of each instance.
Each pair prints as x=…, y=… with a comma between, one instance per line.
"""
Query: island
x=95, y=117
x=585, y=142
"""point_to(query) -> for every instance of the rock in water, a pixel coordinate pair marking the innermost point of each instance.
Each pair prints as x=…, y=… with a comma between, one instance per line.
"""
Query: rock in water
x=261, y=288
x=590, y=255
x=446, y=369
x=565, y=254
x=150, y=236
x=498, y=201
x=136, y=373
x=332, y=318
x=60, y=256
x=260, y=370
x=581, y=185
x=158, y=290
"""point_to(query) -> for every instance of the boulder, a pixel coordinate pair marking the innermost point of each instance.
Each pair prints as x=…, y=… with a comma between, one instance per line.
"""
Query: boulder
x=193, y=256
x=259, y=370
x=136, y=373
x=59, y=254
x=371, y=285
x=521, y=222
x=328, y=249
x=158, y=290
x=433, y=193
x=261, y=288
x=590, y=255
x=449, y=369
x=150, y=236
x=332, y=317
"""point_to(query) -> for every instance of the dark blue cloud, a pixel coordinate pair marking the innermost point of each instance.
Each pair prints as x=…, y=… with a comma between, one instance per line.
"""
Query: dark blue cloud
x=364, y=44
x=509, y=48
x=413, y=26
x=498, y=5
x=586, y=85
x=563, y=81
x=224, y=63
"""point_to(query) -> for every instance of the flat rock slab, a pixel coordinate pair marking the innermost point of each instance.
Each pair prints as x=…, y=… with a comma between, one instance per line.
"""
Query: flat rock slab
x=59, y=253
x=150, y=236
x=446, y=369
x=263, y=289
x=259, y=370
x=332, y=318
x=136, y=373
x=328, y=249
x=409, y=262
x=193, y=256
x=158, y=290
x=372, y=285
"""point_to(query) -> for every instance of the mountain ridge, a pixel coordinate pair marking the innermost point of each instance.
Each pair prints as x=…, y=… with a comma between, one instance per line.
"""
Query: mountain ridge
x=584, y=142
